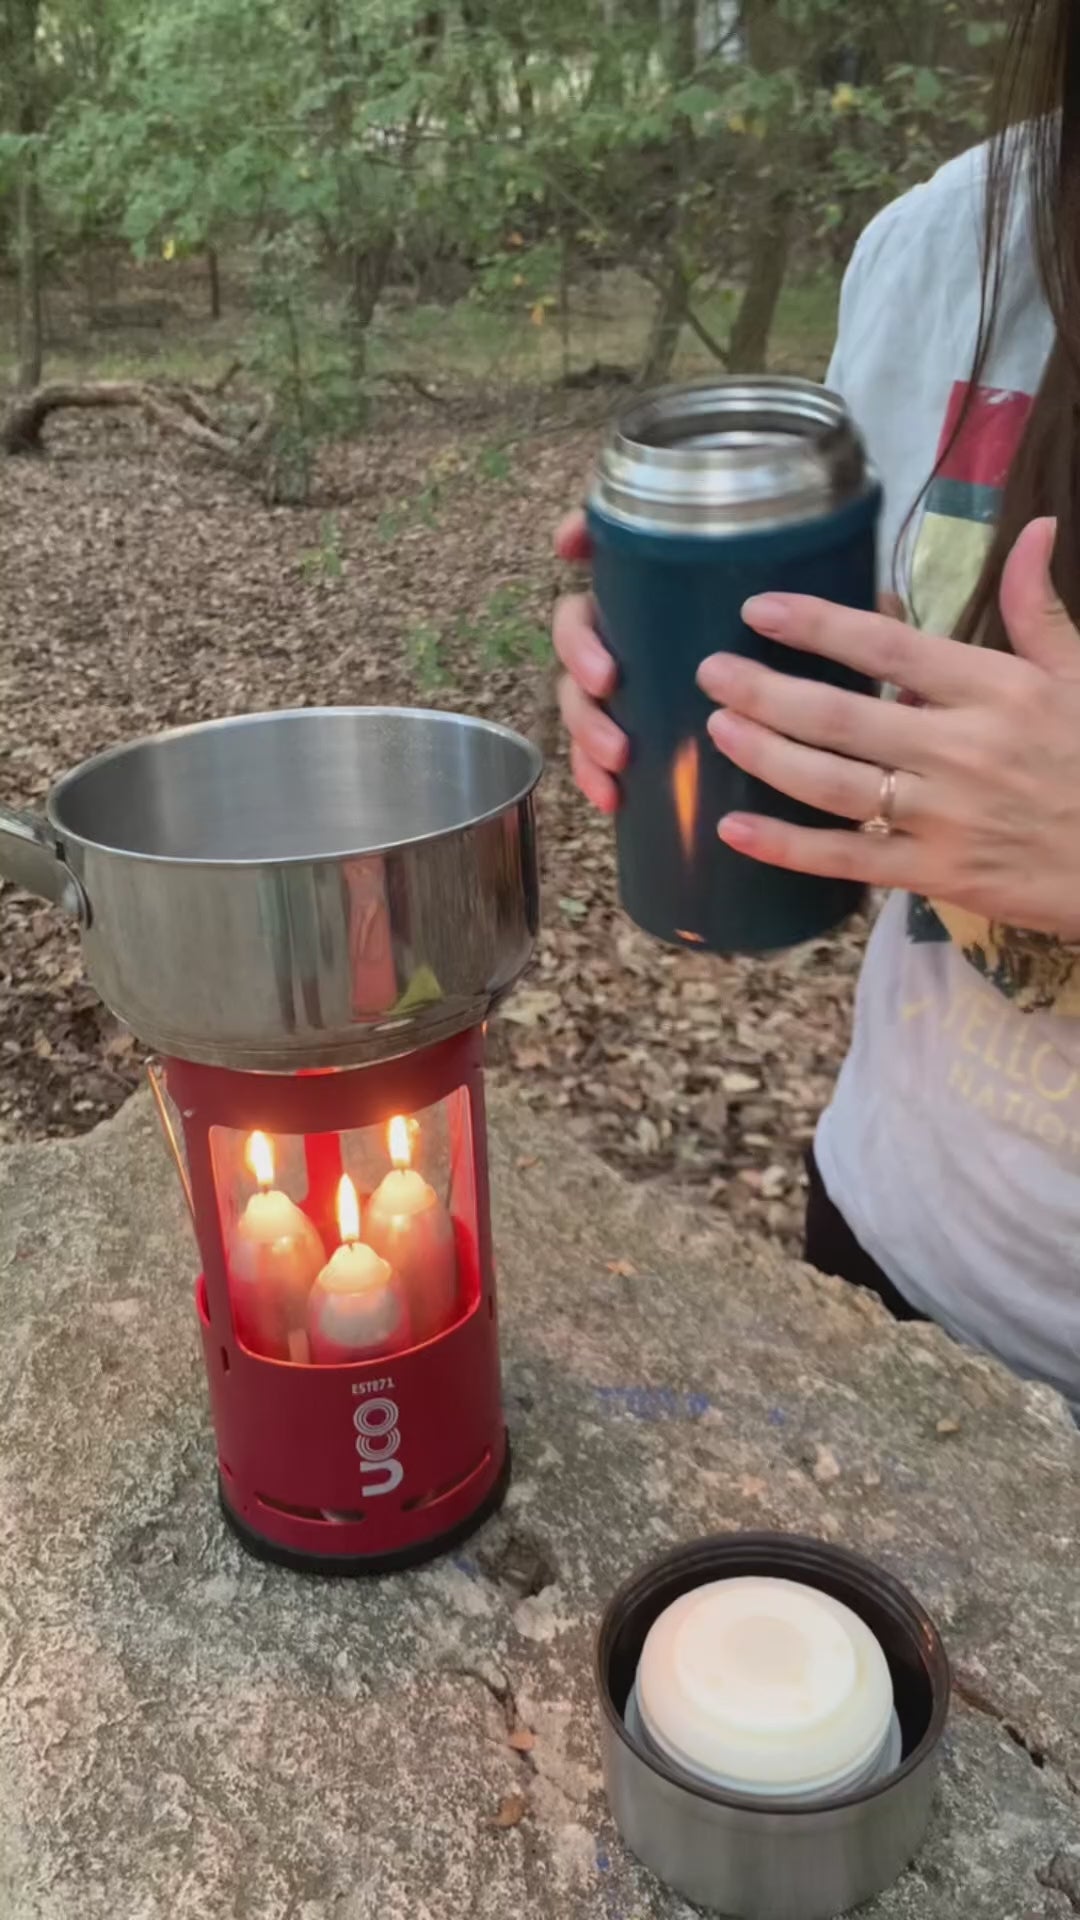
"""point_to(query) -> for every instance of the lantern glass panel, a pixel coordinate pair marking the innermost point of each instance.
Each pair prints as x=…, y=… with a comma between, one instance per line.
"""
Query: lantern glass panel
x=353, y=1245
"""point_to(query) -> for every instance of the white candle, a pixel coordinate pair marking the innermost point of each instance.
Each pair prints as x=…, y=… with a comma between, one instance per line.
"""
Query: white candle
x=768, y=1687
x=274, y=1256
x=357, y=1309
x=408, y=1225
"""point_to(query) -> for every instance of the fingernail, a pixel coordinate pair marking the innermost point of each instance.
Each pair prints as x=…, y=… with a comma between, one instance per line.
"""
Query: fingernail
x=765, y=613
x=713, y=675
x=598, y=670
x=722, y=728
x=737, y=830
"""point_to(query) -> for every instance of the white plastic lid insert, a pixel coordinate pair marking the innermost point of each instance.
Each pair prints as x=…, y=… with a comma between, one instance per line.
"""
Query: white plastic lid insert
x=767, y=1687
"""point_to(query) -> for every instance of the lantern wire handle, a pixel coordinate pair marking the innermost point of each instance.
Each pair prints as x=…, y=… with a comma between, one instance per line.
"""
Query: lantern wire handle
x=156, y=1076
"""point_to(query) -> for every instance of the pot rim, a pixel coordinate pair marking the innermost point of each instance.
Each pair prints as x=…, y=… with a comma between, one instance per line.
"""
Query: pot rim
x=845, y=1559
x=69, y=838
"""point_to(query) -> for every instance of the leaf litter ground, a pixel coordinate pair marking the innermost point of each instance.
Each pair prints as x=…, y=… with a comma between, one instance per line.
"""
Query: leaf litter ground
x=140, y=588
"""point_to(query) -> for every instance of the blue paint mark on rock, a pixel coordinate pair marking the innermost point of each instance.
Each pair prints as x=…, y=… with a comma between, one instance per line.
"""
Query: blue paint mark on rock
x=653, y=1403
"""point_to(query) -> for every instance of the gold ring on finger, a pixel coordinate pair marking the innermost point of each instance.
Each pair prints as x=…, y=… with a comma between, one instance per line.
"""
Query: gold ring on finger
x=883, y=822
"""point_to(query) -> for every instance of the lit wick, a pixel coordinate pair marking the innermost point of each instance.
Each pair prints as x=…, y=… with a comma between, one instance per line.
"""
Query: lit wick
x=357, y=1309
x=408, y=1225
x=274, y=1257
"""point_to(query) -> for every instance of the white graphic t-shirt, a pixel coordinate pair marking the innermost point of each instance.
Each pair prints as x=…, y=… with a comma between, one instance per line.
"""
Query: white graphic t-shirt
x=952, y=1145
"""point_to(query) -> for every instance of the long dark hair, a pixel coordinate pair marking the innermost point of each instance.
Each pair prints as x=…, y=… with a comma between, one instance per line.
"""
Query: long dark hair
x=1035, y=151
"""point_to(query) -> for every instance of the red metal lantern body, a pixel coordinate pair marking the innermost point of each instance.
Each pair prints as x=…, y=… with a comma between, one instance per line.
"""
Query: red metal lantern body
x=362, y=1464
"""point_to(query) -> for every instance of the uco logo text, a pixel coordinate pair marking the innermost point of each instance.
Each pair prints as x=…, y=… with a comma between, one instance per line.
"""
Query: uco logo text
x=378, y=1438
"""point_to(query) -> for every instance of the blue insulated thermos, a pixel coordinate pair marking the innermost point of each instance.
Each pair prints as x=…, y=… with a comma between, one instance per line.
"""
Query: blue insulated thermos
x=703, y=495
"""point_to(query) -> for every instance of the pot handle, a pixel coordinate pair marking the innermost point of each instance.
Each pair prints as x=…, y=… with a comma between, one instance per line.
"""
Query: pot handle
x=33, y=859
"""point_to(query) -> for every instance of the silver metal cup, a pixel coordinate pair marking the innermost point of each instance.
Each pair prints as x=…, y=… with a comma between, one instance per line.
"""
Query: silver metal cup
x=321, y=887
x=767, y=1859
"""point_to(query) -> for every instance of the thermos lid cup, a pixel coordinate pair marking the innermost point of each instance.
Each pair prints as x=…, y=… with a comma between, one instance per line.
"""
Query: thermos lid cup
x=763, y=1854
x=730, y=455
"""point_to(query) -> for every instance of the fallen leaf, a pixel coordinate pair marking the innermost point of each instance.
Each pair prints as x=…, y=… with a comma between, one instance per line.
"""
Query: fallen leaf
x=625, y=1269
x=534, y=1004
x=512, y=1811
x=735, y=1083
x=523, y=1740
x=524, y=1161
x=947, y=1427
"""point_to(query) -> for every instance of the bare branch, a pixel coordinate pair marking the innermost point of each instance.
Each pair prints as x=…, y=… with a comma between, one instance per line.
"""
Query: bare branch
x=708, y=340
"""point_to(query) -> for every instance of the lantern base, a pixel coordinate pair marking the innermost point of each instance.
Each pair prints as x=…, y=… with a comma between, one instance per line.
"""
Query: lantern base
x=354, y=1566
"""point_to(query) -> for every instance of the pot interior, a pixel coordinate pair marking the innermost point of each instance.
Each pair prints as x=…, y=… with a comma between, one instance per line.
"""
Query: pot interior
x=310, y=784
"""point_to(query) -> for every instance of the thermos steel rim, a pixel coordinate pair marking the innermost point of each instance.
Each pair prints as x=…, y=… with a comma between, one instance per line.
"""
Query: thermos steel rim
x=765, y=1859
x=731, y=455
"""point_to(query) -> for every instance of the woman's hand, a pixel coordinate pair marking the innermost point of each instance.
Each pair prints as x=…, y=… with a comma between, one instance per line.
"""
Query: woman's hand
x=597, y=748
x=986, y=796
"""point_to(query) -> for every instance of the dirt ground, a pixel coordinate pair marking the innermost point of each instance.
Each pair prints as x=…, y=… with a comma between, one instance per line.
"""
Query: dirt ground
x=141, y=588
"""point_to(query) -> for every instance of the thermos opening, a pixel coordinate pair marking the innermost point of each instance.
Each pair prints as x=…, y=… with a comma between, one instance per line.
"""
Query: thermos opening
x=752, y=434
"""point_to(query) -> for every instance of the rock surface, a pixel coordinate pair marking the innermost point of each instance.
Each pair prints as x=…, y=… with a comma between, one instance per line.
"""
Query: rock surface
x=188, y=1735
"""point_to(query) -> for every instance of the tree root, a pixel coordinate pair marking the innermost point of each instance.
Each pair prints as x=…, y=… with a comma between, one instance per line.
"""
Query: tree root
x=173, y=408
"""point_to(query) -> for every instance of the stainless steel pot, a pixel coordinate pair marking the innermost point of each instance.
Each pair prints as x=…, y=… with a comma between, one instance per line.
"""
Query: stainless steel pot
x=313, y=888
x=759, y=1859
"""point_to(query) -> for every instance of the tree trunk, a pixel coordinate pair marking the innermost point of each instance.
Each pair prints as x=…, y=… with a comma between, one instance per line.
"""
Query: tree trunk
x=28, y=312
x=673, y=297
x=749, y=344
x=368, y=268
x=685, y=37
x=771, y=48
x=566, y=243
x=19, y=20
x=213, y=275
x=667, y=325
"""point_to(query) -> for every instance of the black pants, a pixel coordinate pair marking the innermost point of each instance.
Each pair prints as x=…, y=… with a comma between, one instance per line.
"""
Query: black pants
x=831, y=1247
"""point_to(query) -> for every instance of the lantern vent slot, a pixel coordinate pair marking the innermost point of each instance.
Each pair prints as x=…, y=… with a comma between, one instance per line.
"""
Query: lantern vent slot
x=322, y=1517
x=425, y=1500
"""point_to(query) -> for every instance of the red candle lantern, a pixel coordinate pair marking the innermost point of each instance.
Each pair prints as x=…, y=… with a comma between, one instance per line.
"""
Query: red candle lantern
x=347, y=1303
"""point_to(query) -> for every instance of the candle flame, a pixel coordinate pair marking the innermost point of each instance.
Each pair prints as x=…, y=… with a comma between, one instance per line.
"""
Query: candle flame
x=399, y=1138
x=685, y=780
x=260, y=1158
x=348, y=1210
